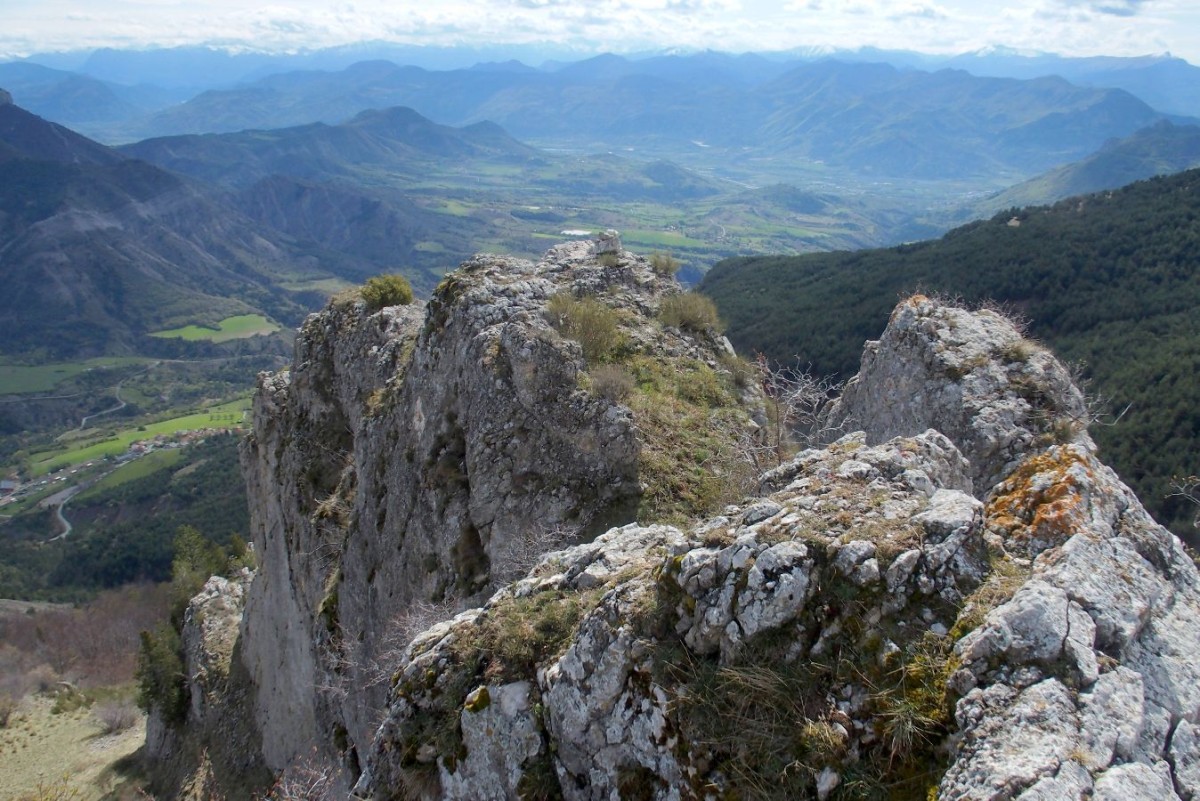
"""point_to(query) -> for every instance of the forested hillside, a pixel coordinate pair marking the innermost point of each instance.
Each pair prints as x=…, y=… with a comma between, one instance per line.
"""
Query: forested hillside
x=1110, y=281
x=124, y=527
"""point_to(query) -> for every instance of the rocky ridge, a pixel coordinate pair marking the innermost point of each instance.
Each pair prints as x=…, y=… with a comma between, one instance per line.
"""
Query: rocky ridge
x=418, y=456
x=888, y=621
x=956, y=600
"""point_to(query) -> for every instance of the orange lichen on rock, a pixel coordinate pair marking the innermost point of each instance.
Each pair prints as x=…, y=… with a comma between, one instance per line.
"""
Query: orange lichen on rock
x=912, y=301
x=1041, y=504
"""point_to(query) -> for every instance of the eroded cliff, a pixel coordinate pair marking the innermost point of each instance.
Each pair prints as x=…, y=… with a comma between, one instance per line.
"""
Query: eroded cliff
x=955, y=599
x=418, y=456
x=985, y=615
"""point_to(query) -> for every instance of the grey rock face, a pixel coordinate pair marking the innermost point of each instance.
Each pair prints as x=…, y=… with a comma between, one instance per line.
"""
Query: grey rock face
x=1067, y=621
x=971, y=376
x=217, y=689
x=608, y=242
x=415, y=454
x=959, y=591
x=611, y=697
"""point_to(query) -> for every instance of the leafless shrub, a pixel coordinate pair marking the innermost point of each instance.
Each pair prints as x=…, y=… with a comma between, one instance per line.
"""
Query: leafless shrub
x=798, y=405
x=365, y=667
x=520, y=553
x=1019, y=321
x=43, y=678
x=1187, y=488
x=8, y=705
x=116, y=716
x=612, y=382
x=95, y=645
x=57, y=790
x=416, y=618
x=311, y=779
x=1096, y=406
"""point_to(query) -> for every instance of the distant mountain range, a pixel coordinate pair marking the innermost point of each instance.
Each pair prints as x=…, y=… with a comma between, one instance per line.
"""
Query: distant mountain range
x=1168, y=84
x=851, y=110
x=869, y=118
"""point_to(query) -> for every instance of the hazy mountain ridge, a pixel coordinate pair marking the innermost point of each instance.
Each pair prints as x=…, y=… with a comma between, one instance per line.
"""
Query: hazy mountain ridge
x=100, y=249
x=373, y=138
x=1161, y=149
x=861, y=116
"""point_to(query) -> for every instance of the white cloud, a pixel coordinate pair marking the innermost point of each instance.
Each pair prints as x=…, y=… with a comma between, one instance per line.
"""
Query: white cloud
x=1121, y=27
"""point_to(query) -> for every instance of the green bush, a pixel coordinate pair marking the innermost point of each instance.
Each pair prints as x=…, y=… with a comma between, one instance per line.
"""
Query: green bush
x=387, y=290
x=692, y=312
x=587, y=321
x=664, y=263
x=160, y=674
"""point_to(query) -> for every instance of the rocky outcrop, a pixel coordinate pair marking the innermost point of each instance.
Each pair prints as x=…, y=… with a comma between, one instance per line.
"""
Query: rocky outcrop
x=970, y=375
x=955, y=600
x=415, y=457
x=5, y=98
x=988, y=615
x=183, y=763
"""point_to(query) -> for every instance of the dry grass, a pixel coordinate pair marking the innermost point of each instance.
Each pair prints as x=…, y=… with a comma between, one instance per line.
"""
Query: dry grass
x=690, y=311
x=589, y=322
x=59, y=756
x=612, y=382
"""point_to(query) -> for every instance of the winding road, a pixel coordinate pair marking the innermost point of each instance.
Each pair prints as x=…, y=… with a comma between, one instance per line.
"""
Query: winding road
x=59, y=500
x=121, y=404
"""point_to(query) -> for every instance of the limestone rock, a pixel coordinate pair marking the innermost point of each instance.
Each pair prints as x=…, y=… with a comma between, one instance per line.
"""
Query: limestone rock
x=414, y=457
x=607, y=242
x=217, y=690
x=971, y=376
x=612, y=700
x=958, y=589
x=1073, y=612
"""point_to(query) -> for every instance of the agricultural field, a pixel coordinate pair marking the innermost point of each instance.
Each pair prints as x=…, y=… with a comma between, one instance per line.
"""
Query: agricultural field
x=138, y=468
x=241, y=326
x=112, y=443
x=21, y=379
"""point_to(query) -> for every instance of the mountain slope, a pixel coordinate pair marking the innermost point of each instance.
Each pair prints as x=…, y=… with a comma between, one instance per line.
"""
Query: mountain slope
x=943, y=124
x=1167, y=83
x=28, y=136
x=1109, y=280
x=1160, y=149
x=67, y=97
x=99, y=249
x=394, y=138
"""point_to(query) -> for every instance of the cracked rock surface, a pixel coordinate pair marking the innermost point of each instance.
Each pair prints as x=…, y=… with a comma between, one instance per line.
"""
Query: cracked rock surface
x=1067, y=619
x=956, y=597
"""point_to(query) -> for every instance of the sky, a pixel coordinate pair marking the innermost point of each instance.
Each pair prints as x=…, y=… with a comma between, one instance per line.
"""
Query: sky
x=1068, y=27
